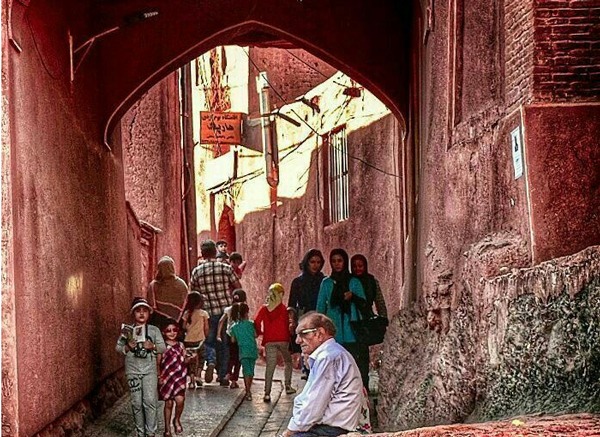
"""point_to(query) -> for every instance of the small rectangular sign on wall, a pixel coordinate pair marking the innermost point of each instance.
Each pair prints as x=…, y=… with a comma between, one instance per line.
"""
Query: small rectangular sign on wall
x=517, y=151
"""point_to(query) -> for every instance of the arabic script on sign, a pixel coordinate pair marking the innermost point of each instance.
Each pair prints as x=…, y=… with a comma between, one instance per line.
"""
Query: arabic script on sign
x=220, y=127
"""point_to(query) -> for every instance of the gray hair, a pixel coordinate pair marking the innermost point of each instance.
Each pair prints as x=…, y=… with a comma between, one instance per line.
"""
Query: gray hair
x=318, y=320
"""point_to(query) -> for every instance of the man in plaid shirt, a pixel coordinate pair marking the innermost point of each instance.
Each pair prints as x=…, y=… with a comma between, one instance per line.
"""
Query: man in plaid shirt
x=214, y=280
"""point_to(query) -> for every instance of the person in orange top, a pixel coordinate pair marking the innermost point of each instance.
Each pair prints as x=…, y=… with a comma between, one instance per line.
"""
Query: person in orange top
x=272, y=323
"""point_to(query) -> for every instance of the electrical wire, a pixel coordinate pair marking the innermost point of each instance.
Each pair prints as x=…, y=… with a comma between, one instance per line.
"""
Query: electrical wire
x=278, y=94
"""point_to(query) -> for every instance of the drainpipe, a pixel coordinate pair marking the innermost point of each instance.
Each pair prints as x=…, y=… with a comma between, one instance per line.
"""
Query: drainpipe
x=271, y=155
x=189, y=180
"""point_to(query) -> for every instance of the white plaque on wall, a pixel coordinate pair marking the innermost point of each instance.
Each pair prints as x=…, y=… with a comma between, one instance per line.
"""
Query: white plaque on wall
x=517, y=151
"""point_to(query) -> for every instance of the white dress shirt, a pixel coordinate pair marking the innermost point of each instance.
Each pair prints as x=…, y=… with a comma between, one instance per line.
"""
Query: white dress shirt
x=333, y=393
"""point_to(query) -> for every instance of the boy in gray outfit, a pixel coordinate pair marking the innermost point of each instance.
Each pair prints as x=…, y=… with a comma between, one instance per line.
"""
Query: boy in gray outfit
x=140, y=344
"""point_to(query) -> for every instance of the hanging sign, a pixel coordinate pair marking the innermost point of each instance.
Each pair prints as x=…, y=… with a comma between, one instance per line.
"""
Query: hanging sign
x=220, y=127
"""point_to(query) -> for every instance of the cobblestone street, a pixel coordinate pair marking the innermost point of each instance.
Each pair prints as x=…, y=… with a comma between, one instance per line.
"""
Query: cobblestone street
x=214, y=411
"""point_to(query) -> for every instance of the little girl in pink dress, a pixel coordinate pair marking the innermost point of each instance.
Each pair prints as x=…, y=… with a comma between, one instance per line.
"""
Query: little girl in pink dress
x=172, y=378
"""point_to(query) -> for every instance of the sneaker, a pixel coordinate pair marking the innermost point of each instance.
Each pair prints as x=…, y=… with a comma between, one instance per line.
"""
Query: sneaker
x=234, y=384
x=267, y=398
x=208, y=374
x=289, y=390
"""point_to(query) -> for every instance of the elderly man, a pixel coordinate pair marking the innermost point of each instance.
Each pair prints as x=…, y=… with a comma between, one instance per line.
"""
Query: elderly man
x=330, y=402
x=214, y=280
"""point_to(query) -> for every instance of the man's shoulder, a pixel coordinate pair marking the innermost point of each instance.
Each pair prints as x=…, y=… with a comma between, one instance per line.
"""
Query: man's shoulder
x=330, y=350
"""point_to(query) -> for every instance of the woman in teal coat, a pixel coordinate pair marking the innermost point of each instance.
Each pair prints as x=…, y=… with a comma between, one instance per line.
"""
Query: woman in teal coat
x=339, y=295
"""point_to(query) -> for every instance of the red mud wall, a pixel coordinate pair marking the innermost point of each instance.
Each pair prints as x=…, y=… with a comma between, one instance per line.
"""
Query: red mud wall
x=273, y=251
x=306, y=70
x=71, y=285
x=485, y=338
x=152, y=165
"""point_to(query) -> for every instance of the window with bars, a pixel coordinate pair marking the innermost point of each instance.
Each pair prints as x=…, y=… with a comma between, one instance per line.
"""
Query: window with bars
x=337, y=186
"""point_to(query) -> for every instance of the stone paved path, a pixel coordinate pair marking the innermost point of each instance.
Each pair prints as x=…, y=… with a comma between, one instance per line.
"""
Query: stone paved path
x=213, y=411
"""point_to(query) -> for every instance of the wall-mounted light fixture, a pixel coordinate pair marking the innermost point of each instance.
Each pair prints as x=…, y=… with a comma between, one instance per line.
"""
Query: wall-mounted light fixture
x=129, y=20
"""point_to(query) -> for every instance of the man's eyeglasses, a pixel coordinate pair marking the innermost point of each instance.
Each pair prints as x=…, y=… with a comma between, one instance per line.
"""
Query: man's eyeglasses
x=307, y=331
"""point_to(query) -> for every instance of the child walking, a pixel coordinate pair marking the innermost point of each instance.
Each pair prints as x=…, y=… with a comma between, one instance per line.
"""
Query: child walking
x=195, y=322
x=140, y=345
x=233, y=366
x=173, y=372
x=244, y=334
x=273, y=323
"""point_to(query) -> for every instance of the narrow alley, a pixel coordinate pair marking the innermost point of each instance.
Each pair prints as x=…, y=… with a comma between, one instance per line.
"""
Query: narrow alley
x=212, y=411
x=421, y=177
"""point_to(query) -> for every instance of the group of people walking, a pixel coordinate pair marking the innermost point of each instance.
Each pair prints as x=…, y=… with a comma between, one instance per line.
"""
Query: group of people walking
x=210, y=325
x=343, y=296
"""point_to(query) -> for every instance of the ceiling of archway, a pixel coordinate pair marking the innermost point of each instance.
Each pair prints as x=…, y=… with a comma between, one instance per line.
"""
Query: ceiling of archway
x=368, y=40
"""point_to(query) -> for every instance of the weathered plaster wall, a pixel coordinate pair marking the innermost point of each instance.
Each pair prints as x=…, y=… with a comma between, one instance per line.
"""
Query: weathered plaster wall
x=519, y=343
x=282, y=64
x=152, y=163
x=483, y=340
x=69, y=279
x=275, y=246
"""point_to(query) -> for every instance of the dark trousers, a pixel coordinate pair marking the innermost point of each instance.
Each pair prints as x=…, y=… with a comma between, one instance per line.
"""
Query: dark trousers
x=234, y=361
x=360, y=353
x=321, y=430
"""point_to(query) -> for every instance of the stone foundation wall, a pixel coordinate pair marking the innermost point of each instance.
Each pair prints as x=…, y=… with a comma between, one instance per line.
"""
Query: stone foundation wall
x=518, y=343
x=72, y=423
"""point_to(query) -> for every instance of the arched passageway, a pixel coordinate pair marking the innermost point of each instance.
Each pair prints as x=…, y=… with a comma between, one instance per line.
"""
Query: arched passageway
x=86, y=63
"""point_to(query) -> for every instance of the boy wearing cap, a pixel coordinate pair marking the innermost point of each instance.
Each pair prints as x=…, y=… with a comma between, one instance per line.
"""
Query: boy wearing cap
x=140, y=347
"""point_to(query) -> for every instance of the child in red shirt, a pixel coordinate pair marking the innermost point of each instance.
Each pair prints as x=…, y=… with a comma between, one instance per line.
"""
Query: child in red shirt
x=272, y=322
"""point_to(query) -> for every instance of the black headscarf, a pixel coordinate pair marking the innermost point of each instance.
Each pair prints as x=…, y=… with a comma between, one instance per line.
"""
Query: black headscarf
x=341, y=282
x=305, y=288
x=366, y=279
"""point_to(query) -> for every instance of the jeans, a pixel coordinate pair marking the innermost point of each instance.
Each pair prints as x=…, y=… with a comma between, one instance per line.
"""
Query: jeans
x=321, y=430
x=216, y=350
x=144, y=402
x=271, y=352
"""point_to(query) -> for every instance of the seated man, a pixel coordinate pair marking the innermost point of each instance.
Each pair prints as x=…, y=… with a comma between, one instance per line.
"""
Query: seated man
x=330, y=402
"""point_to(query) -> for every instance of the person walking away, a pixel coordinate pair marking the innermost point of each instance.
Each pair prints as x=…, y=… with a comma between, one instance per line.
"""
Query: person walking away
x=171, y=381
x=339, y=299
x=195, y=323
x=141, y=343
x=226, y=322
x=273, y=324
x=166, y=293
x=243, y=333
x=330, y=402
x=304, y=290
x=373, y=295
x=214, y=280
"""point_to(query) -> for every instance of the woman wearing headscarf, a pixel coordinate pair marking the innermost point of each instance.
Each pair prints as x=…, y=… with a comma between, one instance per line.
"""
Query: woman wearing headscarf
x=373, y=295
x=339, y=296
x=304, y=292
x=167, y=293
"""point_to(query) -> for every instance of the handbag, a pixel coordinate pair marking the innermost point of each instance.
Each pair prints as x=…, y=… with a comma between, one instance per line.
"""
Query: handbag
x=370, y=330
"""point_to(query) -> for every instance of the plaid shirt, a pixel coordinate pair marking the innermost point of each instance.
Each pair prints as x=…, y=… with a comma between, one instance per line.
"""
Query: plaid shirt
x=213, y=279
